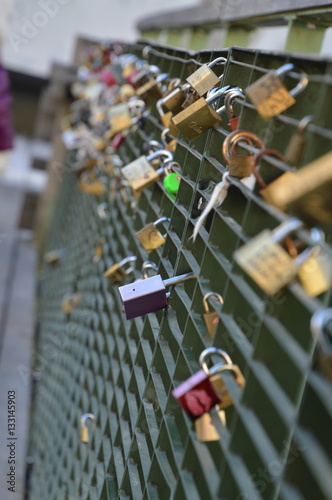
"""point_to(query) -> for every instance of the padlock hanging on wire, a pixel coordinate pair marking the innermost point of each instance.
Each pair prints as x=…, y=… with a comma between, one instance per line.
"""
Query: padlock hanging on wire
x=321, y=329
x=203, y=79
x=148, y=295
x=118, y=272
x=149, y=236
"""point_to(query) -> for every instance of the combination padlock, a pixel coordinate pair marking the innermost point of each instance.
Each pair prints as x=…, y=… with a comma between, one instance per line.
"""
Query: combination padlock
x=267, y=262
x=149, y=236
x=229, y=99
x=148, y=295
x=296, y=146
x=240, y=166
x=200, y=116
x=211, y=318
x=140, y=174
x=270, y=96
x=306, y=192
x=117, y=273
x=84, y=426
x=203, y=79
x=321, y=329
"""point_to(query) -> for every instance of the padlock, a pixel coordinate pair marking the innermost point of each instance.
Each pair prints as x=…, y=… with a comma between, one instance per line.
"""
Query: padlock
x=84, y=427
x=259, y=178
x=306, y=193
x=196, y=395
x=147, y=267
x=169, y=145
x=140, y=174
x=321, y=329
x=148, y=295
x=200, y=116
x=175, y=99
x=149, y=237
x=120, y=116
x=206, y=430
x=70, y=301
x=266, y=262
x=117, y=273
x=172, y=183
x=211, y=318
x=99, y=250
x=229, y=99
x=315, y=274
x=102, y=210
x=88, y=183
x=270, y=96
x=296, y=146
x=240, y=166
x=118, y=140
x=53, y=257
x=203, y=79
x=152, y=91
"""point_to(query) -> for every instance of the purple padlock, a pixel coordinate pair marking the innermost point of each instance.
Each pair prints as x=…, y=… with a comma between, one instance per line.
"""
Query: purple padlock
x=148, y=295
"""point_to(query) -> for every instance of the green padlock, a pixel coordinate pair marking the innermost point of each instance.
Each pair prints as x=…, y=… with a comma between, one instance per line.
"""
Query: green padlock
x=172, y=182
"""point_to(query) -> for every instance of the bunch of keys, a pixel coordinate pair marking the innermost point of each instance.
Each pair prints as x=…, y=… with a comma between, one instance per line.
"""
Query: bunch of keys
x=206, y=390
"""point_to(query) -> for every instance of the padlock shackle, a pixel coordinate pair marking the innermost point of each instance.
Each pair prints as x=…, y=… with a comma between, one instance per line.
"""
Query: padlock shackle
x=215, y=93
x=208, y=353
x=154, y=145
x=206, y=298
x=160, y=153
x=101, y=210
x=286, y=227
x=229, y=367
x=304, y=122
x=217, y=61
x=162, y=219
x=148, y=264
x=257, y=156
x=230, y=97
x=237, y=134
x=286, y=68
x=162, y=77
x=135, y=103
x=318, y=323
x=126, y=260
x=179, y=279
x=85, y=417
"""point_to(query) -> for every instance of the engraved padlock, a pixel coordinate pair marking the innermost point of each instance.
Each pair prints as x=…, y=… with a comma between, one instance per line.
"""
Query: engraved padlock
x=229, y=106
x=117, y=273
x=148, y=295
x=200, y=116
x=321, y=329
x=211, y=318
x=305, y=193
x=267, y=262
x=216, y=377
x=270, y=96
x=149, y=236
x=196, y=395
x=84, y=426
x=140, y=174
x=203, y=79
x=240, y=166
x=296, y=146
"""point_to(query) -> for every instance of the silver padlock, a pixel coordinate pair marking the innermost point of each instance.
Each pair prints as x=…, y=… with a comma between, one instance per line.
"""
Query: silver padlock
x=148, y=295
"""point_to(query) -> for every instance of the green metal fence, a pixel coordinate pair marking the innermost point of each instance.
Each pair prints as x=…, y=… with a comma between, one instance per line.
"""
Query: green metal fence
x=277, y=441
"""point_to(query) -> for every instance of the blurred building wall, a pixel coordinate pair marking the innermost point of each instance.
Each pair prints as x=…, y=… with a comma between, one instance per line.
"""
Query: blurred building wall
x=40, y=32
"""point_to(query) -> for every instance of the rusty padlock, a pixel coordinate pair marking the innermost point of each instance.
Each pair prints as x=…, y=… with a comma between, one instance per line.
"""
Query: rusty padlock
x=240, y=166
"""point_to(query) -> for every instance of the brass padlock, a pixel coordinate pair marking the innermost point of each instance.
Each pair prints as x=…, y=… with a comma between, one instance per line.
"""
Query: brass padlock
x=70, y=301
x=240, y=166
x=306, y=193
x=296, y=146
x=200, y=116
x=121, y=116
x=151, y=91
x=229, y=99
x=203, y=79
x=117, y=273
x=84, y=427
x=168, y=145
x=53, y=257
x=88, y=183
x=206, y=430
x=321, y=329
x=211, y=318
x=270, y=96
x=140, y=174
x=315, y=274
x=267, y=262
x=175, y=99
x=149, y=237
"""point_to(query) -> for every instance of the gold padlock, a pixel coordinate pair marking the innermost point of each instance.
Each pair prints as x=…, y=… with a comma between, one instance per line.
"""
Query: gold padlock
x=140, y=174
x=321, y=330
x=240, y=166
x=84, y=427
x=149, y=236
x=70, y=301
x=315, y=273
x=205, y=429
x=266, y=262
x=211, y=318
x=119, y=119
x=200, y=116
x=88, y=183
x=117, y=273
x=306, y=193
x=203, y=79
x=220, y=388
x=150, y=92
x=175, y=99
x=296, y=146
x=270, y=96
